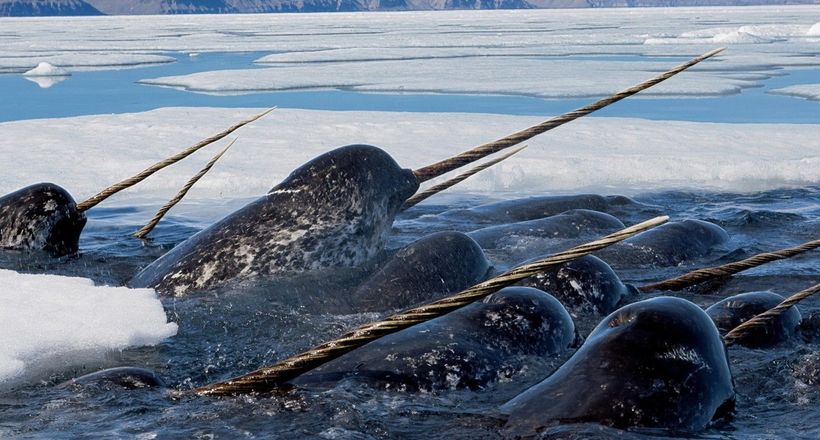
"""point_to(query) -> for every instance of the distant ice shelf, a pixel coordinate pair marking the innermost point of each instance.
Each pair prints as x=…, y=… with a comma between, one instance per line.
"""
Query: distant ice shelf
x=513, y=52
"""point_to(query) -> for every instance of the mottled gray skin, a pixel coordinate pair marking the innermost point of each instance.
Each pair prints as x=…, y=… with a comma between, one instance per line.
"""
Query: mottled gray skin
x=469, y=348
x=569, y=224
x=658, y=363
x=735, y=310
x=586, y=283
x=125, y=377
x=334, y=211
x=531, y=208
x=44, y=217
x=669, y=244
x=427, y=269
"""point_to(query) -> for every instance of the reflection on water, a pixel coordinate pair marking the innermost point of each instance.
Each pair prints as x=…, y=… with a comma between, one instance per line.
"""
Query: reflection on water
x=46, y=82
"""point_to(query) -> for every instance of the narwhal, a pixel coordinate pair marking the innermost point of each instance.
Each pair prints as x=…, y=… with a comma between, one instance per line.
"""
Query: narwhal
x=44, y=216
x=334, y=211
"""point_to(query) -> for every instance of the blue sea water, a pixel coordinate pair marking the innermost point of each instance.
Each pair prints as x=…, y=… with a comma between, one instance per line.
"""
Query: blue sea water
x=117, y=91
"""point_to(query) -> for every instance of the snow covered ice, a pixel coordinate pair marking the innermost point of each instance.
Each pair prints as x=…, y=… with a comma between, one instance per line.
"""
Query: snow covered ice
x=505, y=52
x=53, y=323
x=808, y=91
x=47, y=69
x=612, y=154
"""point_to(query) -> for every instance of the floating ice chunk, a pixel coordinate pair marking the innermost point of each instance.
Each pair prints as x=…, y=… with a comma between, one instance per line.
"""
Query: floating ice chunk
x=740, y=37
x=808, y=91
x=53, y=323
x=47, y=69
x=814, y=31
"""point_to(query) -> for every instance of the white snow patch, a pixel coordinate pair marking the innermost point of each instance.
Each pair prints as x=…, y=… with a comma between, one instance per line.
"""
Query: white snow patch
x=740, y=37
x=47, y=69
x=53, y=323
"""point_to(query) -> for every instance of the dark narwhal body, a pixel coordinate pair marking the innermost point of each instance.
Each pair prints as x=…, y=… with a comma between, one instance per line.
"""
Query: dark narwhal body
x=334, y=211
x=569, y=224
x=468, y=348
x=44, y=217
x=735, y=310
x=125, y=377
x=667, y=245
x=584, y=283
x=658, y=363
x=425, y=270
x=531, y=208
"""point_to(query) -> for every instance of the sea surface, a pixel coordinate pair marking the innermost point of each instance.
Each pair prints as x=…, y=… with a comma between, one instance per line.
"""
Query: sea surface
x=231, y=331
x=226, y=332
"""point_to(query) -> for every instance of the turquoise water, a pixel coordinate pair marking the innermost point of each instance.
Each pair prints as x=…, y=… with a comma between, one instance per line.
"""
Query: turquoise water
x=117, y=91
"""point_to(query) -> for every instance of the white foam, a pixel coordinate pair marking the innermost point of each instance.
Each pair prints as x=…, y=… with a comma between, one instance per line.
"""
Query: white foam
x=607, y=154
x=53, y=323
x=47, y=69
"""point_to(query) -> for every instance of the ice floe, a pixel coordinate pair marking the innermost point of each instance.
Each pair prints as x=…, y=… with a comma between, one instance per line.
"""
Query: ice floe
x=521, y=76
x=808, y=91
x=53, y=323
x=602, y=154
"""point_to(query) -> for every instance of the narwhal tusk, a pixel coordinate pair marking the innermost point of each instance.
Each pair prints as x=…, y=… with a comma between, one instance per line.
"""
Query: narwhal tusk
x=145, y=230
x=447, y=165
x=131, y=181
x=420, y=196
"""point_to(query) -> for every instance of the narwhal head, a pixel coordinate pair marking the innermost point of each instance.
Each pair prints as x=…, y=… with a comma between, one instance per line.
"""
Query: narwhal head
x=340, y=204
x=42, y=216
x=362, y=171
x=45, y=216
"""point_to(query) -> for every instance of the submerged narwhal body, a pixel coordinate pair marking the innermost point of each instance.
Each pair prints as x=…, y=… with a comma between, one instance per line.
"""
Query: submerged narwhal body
x=43, y=217
x=334, y=211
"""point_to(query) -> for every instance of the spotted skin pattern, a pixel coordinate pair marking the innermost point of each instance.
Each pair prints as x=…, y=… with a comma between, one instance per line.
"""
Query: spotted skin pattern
x=334, y=211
